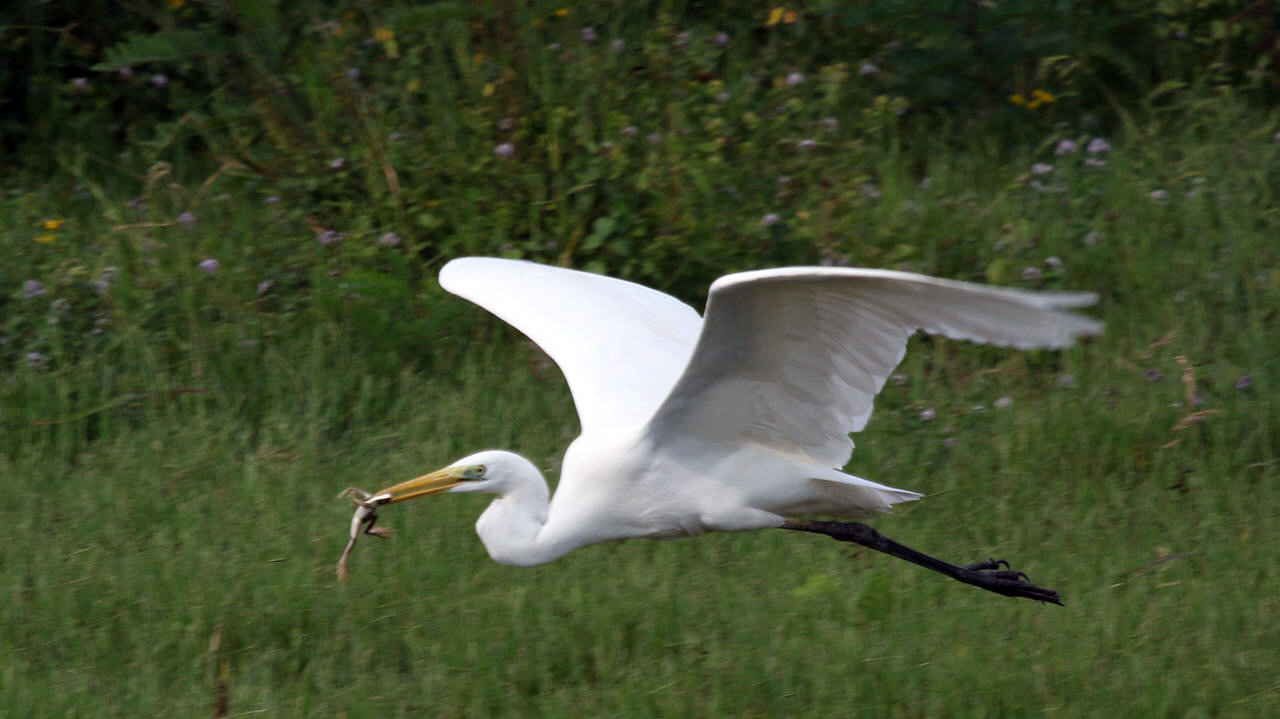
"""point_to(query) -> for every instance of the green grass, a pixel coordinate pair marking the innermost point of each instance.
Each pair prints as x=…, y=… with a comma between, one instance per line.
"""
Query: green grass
x=185, y=553
x=170, y=516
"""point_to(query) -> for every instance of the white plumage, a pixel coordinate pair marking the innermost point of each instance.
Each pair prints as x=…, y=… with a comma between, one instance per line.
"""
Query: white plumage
x=729, y=422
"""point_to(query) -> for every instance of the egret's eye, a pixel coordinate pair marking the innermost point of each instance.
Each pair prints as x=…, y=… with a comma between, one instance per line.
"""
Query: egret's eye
x=476, y=472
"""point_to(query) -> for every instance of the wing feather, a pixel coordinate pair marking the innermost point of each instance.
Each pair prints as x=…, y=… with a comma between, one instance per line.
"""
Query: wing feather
x=792, y=358
x=621, y=346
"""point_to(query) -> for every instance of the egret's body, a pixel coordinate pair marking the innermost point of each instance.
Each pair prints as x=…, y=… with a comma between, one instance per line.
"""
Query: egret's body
x=732, y=422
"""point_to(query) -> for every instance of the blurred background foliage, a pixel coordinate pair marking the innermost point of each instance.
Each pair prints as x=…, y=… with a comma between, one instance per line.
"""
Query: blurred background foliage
x=231, y=172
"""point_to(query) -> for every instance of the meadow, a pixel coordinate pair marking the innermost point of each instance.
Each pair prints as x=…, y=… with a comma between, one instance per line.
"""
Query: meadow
x=207, y=335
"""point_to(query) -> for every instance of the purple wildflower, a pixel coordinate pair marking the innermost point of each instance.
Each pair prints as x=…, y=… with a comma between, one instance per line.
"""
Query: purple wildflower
x=770, y=219
x=1065, y=147
x=807, y=144
x=928, y=415
x=1031, y=273
x=80, y=83
x=506, y=124
x=506, y=149
x=1003, y=403
x=100, y=287
x=794, y=79
x=390, y=239
x=722, y=39
x=1160, y=196
x=1244, y=382
x=683, y=38
x=35, y=361
x=630, y=131
x=1053, y=262
x=1095, y=162
x=654, y=138
x=159, y=80
x=868, y=68
x=265, y=286
x=125, y=72
x=353, y=73
x=1039, y=186
x=186, y=221
x=870, y=191
x=588, y=34
x=1153, y=375
x=328, y=237
x=337, y=163
x=723, y=96
x=1041, y=168
x=32, y=289
x=618, y=45
x=209, y=265
x=830, y=124
x=1097, y=146
x=273, y=199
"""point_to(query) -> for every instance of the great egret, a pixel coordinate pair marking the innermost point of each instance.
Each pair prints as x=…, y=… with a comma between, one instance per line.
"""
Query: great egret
x=725, y=423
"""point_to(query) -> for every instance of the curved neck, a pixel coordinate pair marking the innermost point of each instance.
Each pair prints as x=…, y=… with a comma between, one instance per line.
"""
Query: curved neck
x=513, y=527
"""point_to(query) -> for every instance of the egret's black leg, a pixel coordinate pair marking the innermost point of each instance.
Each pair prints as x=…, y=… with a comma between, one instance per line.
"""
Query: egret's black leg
x=985, y=574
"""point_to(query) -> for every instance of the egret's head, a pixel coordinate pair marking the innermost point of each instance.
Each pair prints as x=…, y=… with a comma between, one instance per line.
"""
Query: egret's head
x=493, y=471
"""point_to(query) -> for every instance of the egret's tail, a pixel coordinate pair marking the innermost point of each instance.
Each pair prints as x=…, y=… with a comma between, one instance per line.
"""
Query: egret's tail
x=855, y=496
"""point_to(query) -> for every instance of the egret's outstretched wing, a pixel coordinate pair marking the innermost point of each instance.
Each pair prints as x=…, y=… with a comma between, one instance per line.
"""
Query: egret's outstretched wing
x=620, y=345
x=792, y=358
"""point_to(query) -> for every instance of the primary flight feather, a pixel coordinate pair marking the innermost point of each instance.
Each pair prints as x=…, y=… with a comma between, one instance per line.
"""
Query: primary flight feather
x=732, y=421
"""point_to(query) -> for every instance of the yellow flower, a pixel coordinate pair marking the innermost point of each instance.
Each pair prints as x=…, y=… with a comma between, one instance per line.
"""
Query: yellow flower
x=382, y=34
x=1044, y=96
x=561, y=12
x=780, y=15
x=45, y=239
x=53, y=224
x=802, y=215
x=1017, y=99
x=488, y=89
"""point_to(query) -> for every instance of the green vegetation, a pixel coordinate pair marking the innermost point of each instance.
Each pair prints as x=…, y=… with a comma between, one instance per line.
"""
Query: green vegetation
x=217, y=310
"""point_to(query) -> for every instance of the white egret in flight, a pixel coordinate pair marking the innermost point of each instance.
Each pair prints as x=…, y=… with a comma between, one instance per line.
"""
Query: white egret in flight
x=733, y=421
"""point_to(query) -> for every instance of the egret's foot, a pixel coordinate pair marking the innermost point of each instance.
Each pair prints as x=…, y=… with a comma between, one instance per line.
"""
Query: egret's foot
x=986, y=564
x=1009, y=582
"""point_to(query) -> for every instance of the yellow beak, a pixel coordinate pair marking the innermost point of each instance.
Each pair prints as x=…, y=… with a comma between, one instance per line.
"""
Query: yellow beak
x=428, y=484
